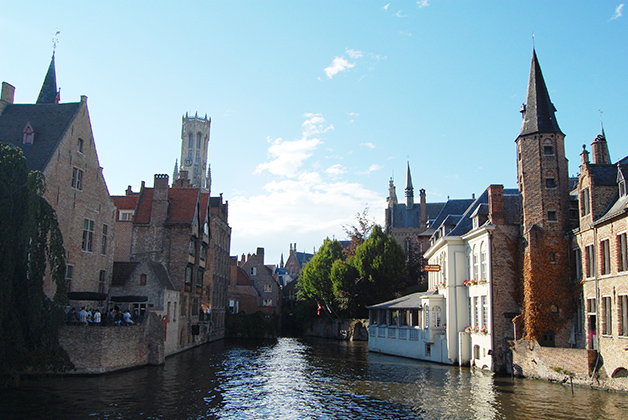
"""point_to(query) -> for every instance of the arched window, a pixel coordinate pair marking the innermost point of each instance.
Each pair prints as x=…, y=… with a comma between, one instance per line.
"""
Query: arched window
x=548, y=148
x=191, y=141
x=29, y=134
x=550, y=180
x=483, y=261
x=198, y=140
x=475, y=263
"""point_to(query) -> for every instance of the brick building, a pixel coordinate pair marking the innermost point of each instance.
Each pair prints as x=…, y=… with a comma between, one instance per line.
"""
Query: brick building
x=219, y=260
x=261, y=276
x=601, y=254
x=295, y=263
x=57, y=139
x=243, y=296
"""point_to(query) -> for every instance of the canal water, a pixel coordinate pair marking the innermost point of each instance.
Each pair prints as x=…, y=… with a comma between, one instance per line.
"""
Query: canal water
x=302, y=379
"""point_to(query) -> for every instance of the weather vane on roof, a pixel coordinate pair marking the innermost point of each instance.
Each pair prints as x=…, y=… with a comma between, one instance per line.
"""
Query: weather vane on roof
x=55, y=40
x=601, y=121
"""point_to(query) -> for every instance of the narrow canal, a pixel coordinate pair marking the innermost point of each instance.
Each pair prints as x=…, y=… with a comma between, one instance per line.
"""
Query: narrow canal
x=302, y=379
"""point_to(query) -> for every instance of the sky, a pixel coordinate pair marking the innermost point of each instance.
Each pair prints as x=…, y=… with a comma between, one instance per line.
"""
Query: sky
x=315, y=105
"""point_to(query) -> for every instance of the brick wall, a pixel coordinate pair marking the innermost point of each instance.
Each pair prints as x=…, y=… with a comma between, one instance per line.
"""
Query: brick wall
x=106, y=349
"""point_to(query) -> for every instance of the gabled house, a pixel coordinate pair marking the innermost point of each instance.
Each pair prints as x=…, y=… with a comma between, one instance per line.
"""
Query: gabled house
x=243, y=296
x=57, y=139
x=261, y=276
x=295, y=262
x=601, y=253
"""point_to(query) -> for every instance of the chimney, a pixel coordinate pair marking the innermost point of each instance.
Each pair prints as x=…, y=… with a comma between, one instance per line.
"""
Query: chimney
x=260, y=254
x=159, y=211
x=599, y=149
x=496, y=204
x=423, y=210
x=8, y=93
x=129, y=190
x=161, y=187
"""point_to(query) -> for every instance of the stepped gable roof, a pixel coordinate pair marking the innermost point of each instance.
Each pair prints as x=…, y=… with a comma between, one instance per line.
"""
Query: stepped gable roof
x=404, y=302
x=49, y=93
x=538, y=111
x=49, y=121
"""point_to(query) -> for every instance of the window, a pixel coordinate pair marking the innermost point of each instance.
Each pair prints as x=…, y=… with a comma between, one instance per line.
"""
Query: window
x=475, y=264
x=268, y=302
x=142, y=279
x=577, y=258
x=403, y=317
x=483, y=267
x=268, y=288
x=484, y=311
x=77, y=178
x=69, y=272
x=476, y=352
x=476, y=310
x=184, y=306
x=605, y=257
x=253, y=271
x=548, y=150
x=606, y=315
x=551, y=216
x=199, y=278
x=126, y=215
x=203, y=255
x=623, y=252
x=622, y=315
x=168, y=311
x=191, y=141
x=437, y=316
x=590, y=261
x=585, y=205
x=198, y=140
x=550, y=182
x=79, y=145
x=88, y=235
x=101, y=281
x=29, y=134
x=192, y=247
x=591, y=306
x=195, y=307
x=103, y=248
x=428, y=349
x=188, y=274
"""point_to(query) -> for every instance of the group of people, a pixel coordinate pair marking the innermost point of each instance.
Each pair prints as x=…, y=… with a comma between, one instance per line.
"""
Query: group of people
x=115, y=316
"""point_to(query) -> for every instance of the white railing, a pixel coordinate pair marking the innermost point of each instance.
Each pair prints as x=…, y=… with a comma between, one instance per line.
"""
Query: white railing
x=402, y=334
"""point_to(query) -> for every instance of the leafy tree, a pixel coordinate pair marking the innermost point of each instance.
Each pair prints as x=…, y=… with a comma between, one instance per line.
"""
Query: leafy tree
x=315, y=278
x=359, y=232
x=381, y=263
x=346, y=282
x=30, y=243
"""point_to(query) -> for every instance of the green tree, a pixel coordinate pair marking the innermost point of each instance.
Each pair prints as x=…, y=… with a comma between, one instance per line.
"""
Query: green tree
x=315, y=278
x=381, y=264
x=30, y=244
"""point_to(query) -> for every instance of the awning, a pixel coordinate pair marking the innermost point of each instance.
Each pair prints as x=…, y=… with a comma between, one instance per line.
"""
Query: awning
x=128, y=298
x=87, y=296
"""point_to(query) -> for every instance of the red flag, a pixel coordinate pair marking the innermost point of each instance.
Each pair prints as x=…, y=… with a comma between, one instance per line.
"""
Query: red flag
x=318, y=311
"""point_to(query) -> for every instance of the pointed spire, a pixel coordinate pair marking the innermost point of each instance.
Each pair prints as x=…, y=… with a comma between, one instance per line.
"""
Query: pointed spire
x=538, y=110
x=409, y=190
x=392, y=193
x=175, y=174
x=49, y=93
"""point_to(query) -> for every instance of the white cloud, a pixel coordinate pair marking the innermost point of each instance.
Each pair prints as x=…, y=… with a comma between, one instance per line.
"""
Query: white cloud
x=353, y=54
x=338, y=65
x=386, y=7
x=423, y=3
x=368, y=145
x=335, y=170
x=298, y=205
x=399, y=15
x=618, y=12
x=287, y=156
x=374, y=167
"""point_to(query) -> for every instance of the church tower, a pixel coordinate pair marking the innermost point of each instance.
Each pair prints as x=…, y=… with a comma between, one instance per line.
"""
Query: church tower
x=543, y=181
x=195, y=133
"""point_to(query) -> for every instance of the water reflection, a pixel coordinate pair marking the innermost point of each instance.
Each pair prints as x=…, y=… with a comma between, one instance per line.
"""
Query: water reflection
x=302, y=379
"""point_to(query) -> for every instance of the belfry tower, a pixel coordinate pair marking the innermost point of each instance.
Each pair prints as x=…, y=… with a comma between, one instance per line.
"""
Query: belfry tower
x=195, y=133
x=543, y=181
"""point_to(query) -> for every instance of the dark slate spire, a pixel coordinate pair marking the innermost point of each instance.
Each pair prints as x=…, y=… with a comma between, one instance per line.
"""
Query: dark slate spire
x=48, y=93
x=538, y=110
x=409, y=190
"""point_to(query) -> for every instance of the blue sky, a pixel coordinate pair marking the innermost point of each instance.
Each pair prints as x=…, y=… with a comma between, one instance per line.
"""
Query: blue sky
x=316, y=104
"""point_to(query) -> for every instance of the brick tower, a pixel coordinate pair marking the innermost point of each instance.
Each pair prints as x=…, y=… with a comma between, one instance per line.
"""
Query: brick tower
x=543, y=181
x=194, y=148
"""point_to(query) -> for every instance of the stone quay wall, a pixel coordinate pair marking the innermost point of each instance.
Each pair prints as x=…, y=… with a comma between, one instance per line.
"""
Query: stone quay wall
x=98, y=349
x=339, y=329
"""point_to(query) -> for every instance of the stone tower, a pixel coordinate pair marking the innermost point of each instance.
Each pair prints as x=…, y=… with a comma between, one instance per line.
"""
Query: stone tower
x=543, y=181
x=194, y=148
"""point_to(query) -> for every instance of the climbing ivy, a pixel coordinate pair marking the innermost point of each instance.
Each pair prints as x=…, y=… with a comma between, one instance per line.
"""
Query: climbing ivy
x=31, y=245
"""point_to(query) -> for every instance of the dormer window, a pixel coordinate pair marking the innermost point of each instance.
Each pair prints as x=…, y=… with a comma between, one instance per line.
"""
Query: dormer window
x=29, y=134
